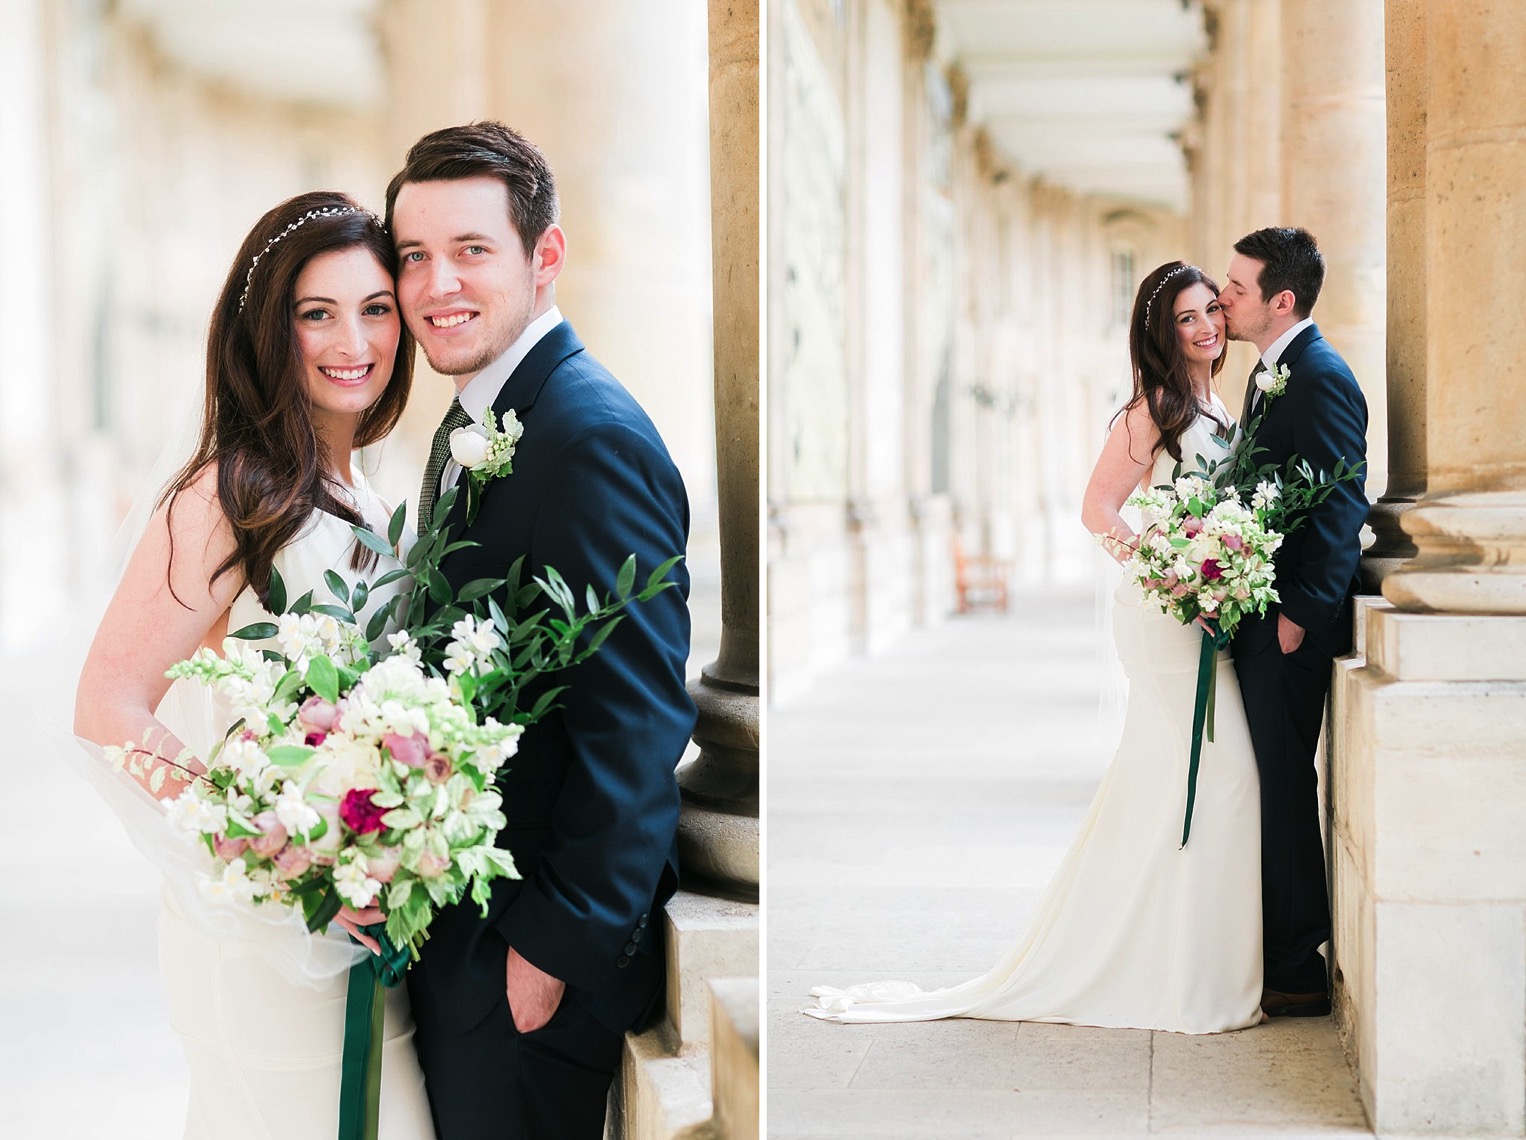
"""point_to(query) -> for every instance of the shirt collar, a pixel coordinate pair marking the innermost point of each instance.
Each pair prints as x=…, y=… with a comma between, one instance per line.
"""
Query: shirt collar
x=480, y=392
x=1274, y=353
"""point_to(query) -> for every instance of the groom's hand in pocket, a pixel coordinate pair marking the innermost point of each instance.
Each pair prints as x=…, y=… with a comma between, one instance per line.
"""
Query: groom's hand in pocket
x=1289, y=634
x=533, y=994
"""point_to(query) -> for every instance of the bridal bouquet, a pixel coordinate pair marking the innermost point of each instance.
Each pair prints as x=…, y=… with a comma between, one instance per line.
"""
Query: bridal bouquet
x=359, y=769
x=1206, y=554
x=346, y=779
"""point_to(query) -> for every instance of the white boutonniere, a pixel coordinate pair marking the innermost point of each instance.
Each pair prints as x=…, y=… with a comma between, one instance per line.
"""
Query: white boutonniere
x=1273, y=381
x=486, y=451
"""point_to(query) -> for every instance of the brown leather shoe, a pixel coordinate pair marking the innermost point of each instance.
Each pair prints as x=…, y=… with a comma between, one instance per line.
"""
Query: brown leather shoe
x=1274, y=1003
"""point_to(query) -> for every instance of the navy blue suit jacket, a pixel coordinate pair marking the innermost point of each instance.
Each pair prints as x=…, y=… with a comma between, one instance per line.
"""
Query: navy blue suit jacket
x=1322, y=417
x=590, y=797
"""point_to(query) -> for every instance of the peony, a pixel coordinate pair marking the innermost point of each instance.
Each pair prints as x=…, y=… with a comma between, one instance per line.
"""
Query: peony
x=291, y=861
x=317, y=715
x=1212, y=571
x=360, y=815
x=228, y=849
x=272, y=835
x=410, y=750
x=469, y=446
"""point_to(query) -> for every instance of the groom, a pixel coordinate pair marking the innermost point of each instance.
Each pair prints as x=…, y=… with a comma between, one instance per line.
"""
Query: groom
x=1284, y=658
x=521, y=1015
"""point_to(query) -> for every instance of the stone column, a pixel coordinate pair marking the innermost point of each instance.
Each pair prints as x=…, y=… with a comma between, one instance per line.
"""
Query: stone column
x=1428, y=853
x=1470, y=527
x=1405, y=25
x=1334, y=183
x=718, y=831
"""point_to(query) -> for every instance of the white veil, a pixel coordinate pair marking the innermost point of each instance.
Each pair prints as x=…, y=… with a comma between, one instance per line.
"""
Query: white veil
x=277, y=933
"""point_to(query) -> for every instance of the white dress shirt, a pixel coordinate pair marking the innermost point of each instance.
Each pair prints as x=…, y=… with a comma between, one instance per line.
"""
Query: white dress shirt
x=480, y=392
x=1273, y=354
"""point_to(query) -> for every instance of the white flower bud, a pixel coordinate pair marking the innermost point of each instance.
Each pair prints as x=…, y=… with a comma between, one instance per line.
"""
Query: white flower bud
x=469, y=446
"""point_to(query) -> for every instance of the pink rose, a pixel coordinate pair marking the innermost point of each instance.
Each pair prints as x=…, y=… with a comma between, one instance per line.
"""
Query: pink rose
x=292, y=861
x=360, y=815
x=410, y=750
x=317, y=715
x=1233, y=542
x=1191, y=525
x=313, y=739
x=272, y=835
x=1180, y=590
x=1212, y=571
x=384, y=862
x=437, y=768
x=228, y=849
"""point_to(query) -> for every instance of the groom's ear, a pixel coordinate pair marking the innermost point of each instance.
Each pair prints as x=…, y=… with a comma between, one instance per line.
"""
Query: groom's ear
x=1284, y=302
x=550, y=254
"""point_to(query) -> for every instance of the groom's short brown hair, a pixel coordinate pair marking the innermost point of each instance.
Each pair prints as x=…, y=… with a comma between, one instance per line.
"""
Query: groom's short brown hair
x=1290, y=259
x=492, y=149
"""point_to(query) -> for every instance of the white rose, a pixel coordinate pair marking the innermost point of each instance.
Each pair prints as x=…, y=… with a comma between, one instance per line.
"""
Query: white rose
x=469, y=446
x=1265, y=380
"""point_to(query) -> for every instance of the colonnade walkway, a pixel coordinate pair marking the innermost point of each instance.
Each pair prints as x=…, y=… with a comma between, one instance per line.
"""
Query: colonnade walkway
x=917, y=803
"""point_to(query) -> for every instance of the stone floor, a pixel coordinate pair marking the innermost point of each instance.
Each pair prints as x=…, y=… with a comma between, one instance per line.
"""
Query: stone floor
x=917, y=803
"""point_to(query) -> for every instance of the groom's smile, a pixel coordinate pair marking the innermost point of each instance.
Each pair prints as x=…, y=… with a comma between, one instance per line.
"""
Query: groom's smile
x=467, y=286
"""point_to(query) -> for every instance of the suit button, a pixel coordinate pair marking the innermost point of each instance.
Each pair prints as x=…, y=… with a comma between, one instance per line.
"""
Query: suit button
x=630, y=947
x=641, y=923
x=636, y=935
x=622, y=961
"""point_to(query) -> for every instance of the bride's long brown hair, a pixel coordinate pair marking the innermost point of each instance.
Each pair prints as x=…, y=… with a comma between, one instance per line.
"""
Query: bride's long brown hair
x=257, y=426
x=1161, y=380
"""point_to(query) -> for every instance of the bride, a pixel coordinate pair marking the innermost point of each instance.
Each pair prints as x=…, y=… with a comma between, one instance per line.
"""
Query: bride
x=1135, y=931
x=307, y=359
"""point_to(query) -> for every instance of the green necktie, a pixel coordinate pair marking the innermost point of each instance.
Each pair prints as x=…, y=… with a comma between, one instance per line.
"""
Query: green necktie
x=439, y=452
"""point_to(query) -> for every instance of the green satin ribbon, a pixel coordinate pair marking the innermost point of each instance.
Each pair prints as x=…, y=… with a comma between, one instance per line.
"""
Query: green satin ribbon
x=1202, y=714
x=364, y=1008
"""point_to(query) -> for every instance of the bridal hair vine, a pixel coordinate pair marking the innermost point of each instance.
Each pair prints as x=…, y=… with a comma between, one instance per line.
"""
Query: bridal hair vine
x=320, y=212
x=1161, y=284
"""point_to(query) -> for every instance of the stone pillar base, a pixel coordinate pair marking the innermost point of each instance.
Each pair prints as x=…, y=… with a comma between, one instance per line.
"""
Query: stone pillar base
x=1472, y=555
x=718, y=829
x=1428, y=859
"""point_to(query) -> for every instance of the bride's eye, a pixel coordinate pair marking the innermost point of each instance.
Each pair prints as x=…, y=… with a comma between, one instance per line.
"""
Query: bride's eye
x=376, y=309
x=313, y=315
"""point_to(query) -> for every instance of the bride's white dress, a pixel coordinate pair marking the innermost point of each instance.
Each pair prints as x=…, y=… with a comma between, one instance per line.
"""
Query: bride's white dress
x=1133, y=931
x=264, y=1047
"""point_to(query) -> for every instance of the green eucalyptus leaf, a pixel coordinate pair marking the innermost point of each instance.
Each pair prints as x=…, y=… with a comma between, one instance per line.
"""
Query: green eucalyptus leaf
x=336, y=585
x=625, y=581
x=302, y=605
x=277, y=593
x=338, y=613
x=258, y=631
x=289, y=755
x=323, y=677
x=371, y=541
x=396, y=523
x=388, y=578
x=479, y=588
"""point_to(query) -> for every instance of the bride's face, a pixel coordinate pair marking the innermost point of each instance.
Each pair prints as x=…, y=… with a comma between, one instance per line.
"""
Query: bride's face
x=1199, y=323
x=347, y=330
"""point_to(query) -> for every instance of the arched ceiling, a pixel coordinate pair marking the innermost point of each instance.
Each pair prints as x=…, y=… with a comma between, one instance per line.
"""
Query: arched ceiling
x=1090, y=94
x=324, y=52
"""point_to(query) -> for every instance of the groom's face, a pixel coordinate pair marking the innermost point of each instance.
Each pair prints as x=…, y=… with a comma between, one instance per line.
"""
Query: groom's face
x=1246, y=315
x=466, y=287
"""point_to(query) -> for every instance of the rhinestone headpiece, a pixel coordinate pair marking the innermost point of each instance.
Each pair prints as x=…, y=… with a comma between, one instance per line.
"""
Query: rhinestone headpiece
x=320, y=212
x=1150, y=304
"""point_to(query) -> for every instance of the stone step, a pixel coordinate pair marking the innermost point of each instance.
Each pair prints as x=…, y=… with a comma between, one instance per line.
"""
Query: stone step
x=664, y=1092
x=734, y=1057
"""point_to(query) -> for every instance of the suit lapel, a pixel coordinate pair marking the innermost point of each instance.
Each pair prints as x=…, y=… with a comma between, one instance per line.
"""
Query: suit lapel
x=521, y=390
